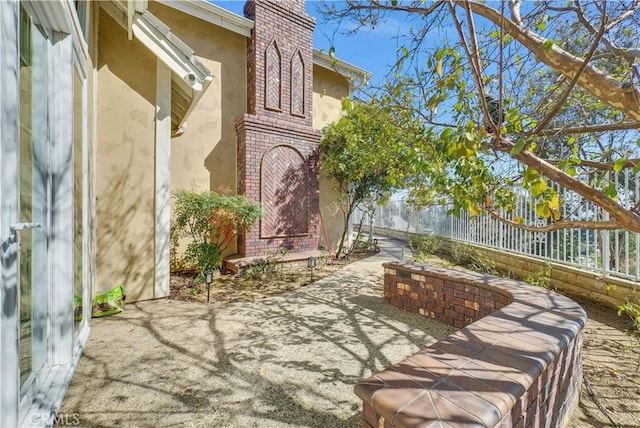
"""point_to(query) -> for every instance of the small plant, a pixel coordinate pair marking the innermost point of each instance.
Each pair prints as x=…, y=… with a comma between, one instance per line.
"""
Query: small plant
x=470, y=257
x=425, y=244
x=193, y=291
x=267, y=268
x=631, y=309
x=541, y=278
x=210, y=222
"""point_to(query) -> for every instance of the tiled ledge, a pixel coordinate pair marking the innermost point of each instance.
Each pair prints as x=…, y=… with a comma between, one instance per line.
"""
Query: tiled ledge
x=515, y=363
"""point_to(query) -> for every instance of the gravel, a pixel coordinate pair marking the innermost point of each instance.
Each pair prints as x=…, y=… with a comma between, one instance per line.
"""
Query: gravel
x=285, y=361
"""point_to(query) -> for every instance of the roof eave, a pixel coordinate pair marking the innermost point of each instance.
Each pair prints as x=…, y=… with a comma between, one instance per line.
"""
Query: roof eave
x=213, y=14
x=344, y=68
x=187, y=71
x=223, y=18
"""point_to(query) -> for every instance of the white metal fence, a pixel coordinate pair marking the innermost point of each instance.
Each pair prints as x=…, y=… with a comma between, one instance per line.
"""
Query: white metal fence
x=614, y=253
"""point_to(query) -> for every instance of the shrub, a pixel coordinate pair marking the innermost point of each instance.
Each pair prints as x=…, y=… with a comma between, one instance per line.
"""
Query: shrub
x=210, y=222
x=631, y=309
x=267, y=268
x=470, y=257
x=425, y=244
x=541, y=278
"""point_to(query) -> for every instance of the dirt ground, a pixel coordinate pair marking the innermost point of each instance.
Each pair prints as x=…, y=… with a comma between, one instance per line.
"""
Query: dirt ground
x=611, y=384
x=256, y=283
x=611, y=356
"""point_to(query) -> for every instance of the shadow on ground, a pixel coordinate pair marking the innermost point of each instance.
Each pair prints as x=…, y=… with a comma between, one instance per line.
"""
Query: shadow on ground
x=284, y=361
x=610, y=395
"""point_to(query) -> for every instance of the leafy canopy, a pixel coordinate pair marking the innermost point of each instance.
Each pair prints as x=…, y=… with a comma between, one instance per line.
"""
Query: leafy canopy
x=542, y=95
x=365, y=153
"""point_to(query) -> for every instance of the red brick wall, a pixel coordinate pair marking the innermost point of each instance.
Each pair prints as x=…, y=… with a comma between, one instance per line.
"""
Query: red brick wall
x=280, y=84
x=517, y=363
x=259, y=136
x=445, y=300
x=286, y=24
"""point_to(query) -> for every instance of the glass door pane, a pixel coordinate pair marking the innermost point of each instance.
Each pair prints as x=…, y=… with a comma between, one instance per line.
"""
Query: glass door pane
x=78, y=251
x=34, y=199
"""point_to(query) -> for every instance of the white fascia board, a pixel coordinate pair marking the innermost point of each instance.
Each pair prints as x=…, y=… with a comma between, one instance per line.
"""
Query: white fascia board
x=140, y=6
x=192, y=78
x=196, y=96
x=155, y=41
x=188, y=76
x=350, y=71
x=213, y=14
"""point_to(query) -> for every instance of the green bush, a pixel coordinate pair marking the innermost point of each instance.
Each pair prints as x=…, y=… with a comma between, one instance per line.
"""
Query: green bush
x=470, y=257
x=425, y=244
x=631, y=309
x=268, y=268
x=210, y=222
x=541, y=278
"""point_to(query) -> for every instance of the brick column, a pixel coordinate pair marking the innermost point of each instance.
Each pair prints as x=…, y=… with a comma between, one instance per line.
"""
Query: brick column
x=277, y=146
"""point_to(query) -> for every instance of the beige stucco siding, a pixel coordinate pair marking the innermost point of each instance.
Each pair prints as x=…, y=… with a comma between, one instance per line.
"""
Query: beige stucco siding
x=328, y=90
x=125, y=162
x=204, y=157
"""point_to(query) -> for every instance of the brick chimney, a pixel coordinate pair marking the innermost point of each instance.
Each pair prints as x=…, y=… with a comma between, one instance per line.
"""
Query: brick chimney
x=277, y=146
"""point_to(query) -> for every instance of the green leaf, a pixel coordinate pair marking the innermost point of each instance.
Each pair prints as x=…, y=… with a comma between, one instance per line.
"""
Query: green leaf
x=619, y=164
x=517, y=147
x=394, y=3
x=543, y=210
x=548, y=44
x=439, y=67
x=446, y=134
x=611, y=191
x=538, y=188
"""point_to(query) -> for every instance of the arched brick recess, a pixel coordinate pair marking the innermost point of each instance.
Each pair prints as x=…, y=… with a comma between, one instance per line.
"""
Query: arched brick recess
x=273, y=79
x=297, y=84
x=284, y=193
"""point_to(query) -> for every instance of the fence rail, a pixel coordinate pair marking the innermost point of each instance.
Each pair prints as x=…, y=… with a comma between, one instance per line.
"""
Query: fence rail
x=614, y=253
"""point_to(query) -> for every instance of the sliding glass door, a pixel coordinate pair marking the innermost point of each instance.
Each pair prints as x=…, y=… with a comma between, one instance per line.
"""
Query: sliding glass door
x=33, y=226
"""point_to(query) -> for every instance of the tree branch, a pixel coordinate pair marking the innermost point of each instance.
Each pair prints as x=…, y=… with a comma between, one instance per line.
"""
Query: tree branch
x=622, y=126
x=562, y=224
x=601, y=166
x=563, y=98
x=592, y=79
x=626, y=218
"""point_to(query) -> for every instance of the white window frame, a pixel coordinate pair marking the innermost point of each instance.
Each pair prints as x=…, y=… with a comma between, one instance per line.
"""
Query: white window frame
x=67, y=52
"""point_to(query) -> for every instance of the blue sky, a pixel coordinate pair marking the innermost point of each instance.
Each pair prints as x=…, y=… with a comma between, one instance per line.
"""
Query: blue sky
x=373, y=50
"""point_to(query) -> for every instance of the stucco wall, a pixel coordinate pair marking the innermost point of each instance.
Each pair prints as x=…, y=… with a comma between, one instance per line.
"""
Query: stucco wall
x=125, y=162
x=328, y=90
x=204, y=156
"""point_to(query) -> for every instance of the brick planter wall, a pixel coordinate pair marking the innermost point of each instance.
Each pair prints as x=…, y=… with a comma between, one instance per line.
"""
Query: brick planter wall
x=516, y=363
x=573, y=281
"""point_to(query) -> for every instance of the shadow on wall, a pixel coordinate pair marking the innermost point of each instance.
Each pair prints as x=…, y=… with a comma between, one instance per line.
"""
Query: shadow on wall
x=126, y=253
x=127, y=59
x=284, y=193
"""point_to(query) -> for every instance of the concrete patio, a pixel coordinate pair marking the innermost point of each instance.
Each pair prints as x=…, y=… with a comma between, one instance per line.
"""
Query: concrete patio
x=284, y=361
